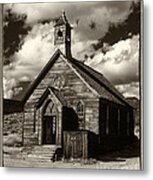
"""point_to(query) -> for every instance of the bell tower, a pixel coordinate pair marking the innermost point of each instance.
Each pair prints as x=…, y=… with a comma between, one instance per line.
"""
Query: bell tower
x=62, y=35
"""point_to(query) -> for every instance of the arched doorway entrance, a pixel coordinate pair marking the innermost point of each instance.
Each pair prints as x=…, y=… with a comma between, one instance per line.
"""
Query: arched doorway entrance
x=49, y=123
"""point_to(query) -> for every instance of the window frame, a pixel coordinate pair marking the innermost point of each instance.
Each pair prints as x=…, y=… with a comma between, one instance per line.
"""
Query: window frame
x=81, y=116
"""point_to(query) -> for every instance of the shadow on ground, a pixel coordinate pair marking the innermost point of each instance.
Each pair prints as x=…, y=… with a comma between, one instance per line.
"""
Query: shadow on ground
x=121, y=155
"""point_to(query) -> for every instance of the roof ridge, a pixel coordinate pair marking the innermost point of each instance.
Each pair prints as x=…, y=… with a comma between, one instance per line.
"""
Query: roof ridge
x=112, y=89
x=93, y=74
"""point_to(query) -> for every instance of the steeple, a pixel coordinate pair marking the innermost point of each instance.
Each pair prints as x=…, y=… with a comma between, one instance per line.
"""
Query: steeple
x=62, y=35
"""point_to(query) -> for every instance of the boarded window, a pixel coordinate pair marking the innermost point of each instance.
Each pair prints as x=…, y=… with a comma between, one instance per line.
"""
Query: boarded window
x=128, y=123
x=123, y=122
x=113, y=120
x=80, y=113
x=59, y=82
x=103, y=116
x=131, y=123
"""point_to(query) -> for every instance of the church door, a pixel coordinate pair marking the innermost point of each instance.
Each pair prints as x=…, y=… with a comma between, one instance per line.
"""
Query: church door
x=49, y=123
x=49, y=129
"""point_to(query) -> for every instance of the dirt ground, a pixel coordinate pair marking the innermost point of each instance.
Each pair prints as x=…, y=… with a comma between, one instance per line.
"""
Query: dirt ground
x=128, y=163
x=127, y=158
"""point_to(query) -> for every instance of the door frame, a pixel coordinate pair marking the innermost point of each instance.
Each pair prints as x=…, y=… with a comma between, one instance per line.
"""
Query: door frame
x=56, y=114
x=43, y=129
x=59, y=116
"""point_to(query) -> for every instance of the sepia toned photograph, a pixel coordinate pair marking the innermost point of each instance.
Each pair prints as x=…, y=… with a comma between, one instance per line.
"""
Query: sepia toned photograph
x=72, y=85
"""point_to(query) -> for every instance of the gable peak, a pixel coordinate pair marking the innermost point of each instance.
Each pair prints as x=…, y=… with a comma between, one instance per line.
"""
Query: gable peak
x=62, y=20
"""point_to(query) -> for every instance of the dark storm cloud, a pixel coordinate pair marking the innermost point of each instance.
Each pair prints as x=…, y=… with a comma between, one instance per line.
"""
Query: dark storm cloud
x=102, y=13
x=39, y=41
x=124, y=30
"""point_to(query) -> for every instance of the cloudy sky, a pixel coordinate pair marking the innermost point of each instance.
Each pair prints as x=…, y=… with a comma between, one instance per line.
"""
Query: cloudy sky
x=117, y=58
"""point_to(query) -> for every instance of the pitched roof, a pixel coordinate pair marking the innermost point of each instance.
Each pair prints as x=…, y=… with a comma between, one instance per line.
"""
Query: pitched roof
x=57, y=94
x=41, y=75
x=61, y=20
x=96, y=80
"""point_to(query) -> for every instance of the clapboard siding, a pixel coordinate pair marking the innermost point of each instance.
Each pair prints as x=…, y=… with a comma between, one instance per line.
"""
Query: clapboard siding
x=73, y=90
x=73, y=82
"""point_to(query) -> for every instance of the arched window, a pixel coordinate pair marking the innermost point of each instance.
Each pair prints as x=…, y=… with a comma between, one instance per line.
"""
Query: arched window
x=59, y=82
x=60, y=34
x=80, y=113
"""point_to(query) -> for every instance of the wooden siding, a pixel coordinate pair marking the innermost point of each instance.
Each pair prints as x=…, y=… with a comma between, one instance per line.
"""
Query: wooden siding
x=115, y=120
x=80, y=144
x=74, y=90
x=100, y=89
x=75, y=144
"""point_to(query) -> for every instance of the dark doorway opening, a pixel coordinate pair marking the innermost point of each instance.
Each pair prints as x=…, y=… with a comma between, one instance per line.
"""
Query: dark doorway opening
x=49, y=130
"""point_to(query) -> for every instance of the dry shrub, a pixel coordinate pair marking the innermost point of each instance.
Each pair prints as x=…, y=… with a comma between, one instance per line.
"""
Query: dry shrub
x=12, y=140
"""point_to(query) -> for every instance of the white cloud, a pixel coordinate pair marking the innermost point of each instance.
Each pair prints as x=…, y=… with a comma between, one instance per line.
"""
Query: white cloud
x=121, y=63
x=8, y=85
x=129, y=90
x=36, y=51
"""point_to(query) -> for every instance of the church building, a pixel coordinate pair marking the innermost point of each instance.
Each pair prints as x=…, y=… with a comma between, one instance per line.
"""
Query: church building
x=73, y=107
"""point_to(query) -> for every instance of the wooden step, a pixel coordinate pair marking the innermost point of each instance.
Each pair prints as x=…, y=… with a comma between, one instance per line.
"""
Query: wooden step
x=34, y=154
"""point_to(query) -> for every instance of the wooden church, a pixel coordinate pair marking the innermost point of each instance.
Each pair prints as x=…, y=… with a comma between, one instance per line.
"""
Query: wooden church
x=73, y=107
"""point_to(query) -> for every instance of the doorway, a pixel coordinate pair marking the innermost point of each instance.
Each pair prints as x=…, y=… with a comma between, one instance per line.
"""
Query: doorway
x=49, y=129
